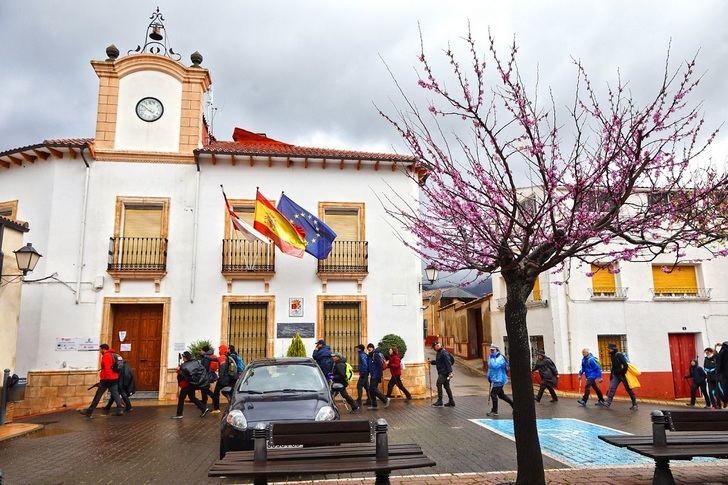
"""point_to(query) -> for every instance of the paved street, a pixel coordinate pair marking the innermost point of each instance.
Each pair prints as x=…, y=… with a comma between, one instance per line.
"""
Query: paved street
x=148, y=447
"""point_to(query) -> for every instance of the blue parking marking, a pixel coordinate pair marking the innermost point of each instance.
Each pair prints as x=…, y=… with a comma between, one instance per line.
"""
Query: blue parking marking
x=572, y=441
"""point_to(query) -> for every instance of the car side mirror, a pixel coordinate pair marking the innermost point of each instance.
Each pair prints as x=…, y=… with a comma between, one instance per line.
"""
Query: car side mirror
x=227, y=391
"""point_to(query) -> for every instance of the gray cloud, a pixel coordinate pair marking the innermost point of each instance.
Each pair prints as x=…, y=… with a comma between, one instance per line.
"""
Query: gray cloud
x=308, y=72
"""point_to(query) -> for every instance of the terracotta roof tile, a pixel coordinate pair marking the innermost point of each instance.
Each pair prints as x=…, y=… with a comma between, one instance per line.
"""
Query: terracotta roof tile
x=18, y=225
x=59, y=142
x=249, y=143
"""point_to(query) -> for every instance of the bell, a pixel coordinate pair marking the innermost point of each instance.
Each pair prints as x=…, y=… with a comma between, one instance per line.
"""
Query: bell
x=156, y=34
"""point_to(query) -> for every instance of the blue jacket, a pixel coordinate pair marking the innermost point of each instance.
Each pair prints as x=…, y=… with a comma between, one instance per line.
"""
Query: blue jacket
x=443, y=362
x=590, y=367
x=324, y=360
x=375, y=364
x=497, y=370
x=363, y=364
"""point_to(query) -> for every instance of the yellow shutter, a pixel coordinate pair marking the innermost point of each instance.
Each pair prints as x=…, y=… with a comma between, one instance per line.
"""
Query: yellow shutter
x=344, y=222
x=602, y=281
x=536, y=290
x=143, y=222
x=681, y=279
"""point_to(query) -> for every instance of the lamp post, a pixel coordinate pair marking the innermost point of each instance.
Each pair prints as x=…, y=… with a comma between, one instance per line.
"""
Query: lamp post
x=431, y=272
x=27, y=257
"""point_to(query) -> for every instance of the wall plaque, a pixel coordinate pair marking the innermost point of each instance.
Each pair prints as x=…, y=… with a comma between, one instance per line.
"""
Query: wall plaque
x=288, y=330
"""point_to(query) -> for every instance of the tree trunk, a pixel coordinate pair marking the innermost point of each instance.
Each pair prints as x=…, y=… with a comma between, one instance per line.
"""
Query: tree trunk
x=528, y=448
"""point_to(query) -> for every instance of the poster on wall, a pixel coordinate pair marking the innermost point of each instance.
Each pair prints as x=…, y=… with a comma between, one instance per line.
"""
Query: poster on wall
x=125, y=348
x=288, y=330
x=89, y=344
x=65, y=344
x=295, y=307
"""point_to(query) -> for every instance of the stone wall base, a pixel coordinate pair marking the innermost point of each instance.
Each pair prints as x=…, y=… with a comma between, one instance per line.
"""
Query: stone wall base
x=55, y=390
x=414, y=378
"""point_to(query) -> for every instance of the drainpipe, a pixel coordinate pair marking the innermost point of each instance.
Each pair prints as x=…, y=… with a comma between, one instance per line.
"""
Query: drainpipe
x=195, y=224
x=84, y=210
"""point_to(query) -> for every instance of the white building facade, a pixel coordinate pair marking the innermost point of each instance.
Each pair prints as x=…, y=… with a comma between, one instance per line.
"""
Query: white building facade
x=133, y=224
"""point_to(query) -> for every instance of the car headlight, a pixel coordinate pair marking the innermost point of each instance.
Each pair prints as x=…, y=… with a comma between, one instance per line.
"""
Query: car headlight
x=237, y=420
x=326, y=413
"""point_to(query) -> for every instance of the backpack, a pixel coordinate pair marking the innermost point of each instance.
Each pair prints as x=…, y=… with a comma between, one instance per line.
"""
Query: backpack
x=452, y=359
x=232, y=367
x=349, y=372
x=239, y=362
x=194, y=372
x=116, y=365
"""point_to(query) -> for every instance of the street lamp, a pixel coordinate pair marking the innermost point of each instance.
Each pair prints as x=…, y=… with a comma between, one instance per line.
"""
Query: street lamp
x=432, y=272
x=27, y=257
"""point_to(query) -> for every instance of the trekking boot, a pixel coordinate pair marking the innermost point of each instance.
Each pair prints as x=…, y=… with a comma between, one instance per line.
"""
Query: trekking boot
x=215, y=411
x=537, y=399
x=119, y=412
x=176, y=416
x=450, y=404
x=355, y=409
x=371, y=407
x=386, y=403
x=492, y=414
x=437, y=404
x=581, y=403
x=634, y=407
x=556, y=399
x=204, y=412
x=86, y=412
x=600, y=404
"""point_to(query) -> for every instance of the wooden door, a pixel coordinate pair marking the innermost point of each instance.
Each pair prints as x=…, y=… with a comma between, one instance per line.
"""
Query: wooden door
x=143, y=326
x=682, y=351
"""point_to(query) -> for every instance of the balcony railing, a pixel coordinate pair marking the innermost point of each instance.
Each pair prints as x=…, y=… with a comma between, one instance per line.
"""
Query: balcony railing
x=530, y=302
x=346, y=257
x=608, y=293
x=242, y=256
x=677, y=294
x=137, y=254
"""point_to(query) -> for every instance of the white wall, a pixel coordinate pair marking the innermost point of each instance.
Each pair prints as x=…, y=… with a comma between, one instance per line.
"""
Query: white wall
x=132, y=133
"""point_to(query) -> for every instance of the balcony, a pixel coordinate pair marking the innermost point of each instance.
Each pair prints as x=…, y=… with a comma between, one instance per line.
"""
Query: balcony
x=530, y=302
x=598, y=293
x=140, y=258
x=247, y=260
x=681, y=294
x=348, y=260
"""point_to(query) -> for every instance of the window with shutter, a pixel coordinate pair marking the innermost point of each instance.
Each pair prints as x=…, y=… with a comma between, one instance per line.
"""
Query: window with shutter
x=9, y=209
x=139, y=244
x=349, y=251
x=239, y=253
x=344, y=222
x=680, y=280
x=603, y=282
x=536, y=292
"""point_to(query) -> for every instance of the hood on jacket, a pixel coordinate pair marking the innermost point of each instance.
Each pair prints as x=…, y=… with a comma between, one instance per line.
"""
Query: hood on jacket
x=223, y=349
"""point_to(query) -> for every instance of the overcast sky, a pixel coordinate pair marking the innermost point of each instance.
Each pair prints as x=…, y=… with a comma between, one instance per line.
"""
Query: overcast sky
x=308, y=72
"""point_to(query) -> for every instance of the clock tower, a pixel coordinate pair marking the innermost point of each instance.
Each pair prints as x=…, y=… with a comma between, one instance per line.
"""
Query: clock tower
x=150, y=105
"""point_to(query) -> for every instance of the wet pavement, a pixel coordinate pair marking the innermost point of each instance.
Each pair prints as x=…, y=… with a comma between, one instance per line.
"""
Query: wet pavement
x=146, y=446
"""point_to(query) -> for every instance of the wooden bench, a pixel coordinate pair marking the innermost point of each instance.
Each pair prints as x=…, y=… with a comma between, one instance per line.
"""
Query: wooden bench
x=692, y=433
x=328, y=447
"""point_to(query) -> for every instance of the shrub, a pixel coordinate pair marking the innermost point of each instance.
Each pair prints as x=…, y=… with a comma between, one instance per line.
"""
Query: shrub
x=296, y=349
x=392, y=340
x=195, y=348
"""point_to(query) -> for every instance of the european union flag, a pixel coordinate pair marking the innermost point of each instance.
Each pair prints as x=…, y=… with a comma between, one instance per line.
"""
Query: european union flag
x=319, y=237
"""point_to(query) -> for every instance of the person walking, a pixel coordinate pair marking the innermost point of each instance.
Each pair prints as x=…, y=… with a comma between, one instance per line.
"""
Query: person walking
x=709, y=366
x=498, y=377
x=322, y=356
x=342, y=376
x=592, y=372
x=549, y=376
x=238, y=360
x=395, y=369
x=698, y=375
x=228, y=375
x=211, y=363
x=191, y=375
x=619, y=375
x=443, y=363
x=108, y=381
x=721, y=371
x=127, y=386
x=363, y=381
x=376, y=366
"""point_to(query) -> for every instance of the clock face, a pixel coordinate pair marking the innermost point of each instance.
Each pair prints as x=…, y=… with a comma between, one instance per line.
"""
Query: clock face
x=149, y=109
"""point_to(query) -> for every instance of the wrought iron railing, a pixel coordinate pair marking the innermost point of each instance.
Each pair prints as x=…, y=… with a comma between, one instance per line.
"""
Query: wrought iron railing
x=243, y=256
x=346, y=257
x=681, y=293
x=137, y=254
x=608, y=293
x=530, y=302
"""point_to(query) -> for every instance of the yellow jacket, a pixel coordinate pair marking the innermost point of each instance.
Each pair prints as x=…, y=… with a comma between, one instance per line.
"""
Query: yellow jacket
x=632, y=373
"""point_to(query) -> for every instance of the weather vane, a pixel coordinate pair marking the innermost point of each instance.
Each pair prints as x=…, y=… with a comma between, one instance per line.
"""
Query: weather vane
x=156, y=39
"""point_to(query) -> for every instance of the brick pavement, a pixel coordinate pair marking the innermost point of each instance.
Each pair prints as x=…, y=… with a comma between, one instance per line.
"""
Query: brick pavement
x=148, y=447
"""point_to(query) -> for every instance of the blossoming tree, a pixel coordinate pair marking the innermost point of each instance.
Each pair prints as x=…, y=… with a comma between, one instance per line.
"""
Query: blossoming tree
x=524, y=192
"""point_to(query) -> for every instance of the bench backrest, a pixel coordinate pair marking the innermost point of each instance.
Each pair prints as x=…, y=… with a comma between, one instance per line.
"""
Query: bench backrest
x=696, y=420
x=320, y=433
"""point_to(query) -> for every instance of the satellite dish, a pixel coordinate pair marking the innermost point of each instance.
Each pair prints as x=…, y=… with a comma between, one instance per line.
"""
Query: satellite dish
x=436, y=295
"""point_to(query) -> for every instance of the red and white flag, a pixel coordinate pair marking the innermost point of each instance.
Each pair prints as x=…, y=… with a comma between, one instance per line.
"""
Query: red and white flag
x=240, y=225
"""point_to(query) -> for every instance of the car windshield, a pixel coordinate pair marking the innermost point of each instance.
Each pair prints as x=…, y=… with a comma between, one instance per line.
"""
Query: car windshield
x=282, y=378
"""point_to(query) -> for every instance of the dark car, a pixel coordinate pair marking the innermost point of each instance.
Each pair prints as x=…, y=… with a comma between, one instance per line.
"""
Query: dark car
x=281, y=389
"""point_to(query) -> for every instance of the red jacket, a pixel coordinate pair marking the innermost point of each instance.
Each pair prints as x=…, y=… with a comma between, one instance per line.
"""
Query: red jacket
x=395, y=366
x=107, y=362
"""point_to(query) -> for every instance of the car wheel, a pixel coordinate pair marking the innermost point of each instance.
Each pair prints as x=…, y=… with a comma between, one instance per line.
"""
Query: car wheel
x=223, y=450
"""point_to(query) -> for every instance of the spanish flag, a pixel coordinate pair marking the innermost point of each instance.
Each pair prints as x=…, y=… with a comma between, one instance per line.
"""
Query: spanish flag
x=271, y=223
